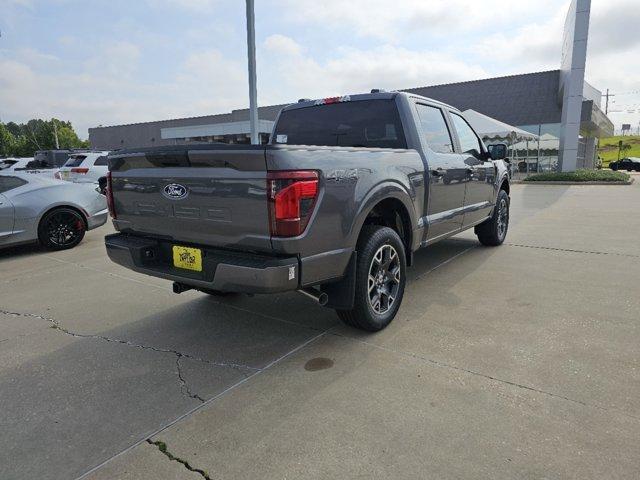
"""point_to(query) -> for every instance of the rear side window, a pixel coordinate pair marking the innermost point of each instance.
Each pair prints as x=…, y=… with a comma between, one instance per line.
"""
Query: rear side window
x=101, y=161
x=9, y=183
x=469, y=141
x=75, y=160
x=434, y=128
x=366, y=123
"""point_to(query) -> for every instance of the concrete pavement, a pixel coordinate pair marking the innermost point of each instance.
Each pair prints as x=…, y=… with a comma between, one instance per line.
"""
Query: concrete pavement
x=518, y=361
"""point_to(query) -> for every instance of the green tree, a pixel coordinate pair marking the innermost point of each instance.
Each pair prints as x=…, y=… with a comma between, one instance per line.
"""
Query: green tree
x=23, y=139
x=7, y=141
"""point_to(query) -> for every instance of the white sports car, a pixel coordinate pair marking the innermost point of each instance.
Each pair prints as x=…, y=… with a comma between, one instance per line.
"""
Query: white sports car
x=57, y=214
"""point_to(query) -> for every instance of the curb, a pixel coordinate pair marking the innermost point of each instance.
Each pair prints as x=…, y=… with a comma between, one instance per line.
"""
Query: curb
x=522, y=182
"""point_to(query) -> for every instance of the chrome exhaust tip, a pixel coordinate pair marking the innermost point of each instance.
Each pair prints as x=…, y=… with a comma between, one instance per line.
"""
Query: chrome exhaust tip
x=320, y=297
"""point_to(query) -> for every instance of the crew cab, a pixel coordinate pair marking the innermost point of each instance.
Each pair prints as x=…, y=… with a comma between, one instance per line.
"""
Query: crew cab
x=334, y=206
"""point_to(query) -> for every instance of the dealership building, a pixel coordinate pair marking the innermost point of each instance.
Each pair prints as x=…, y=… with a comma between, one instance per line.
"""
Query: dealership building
x=551, y=120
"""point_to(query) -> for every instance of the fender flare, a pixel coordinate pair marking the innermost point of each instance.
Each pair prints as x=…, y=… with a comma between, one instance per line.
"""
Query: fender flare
x=380, y=192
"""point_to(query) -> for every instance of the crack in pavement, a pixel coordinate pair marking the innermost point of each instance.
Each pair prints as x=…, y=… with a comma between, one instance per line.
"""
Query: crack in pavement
x=163, y=449
x=441, y=364
x=571, y=250
x=111, y=274
x=184, y=388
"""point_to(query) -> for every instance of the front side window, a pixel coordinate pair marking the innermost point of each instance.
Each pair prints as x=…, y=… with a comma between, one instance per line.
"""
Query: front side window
x=9, y=183
x=469, y=141
x=434, y=128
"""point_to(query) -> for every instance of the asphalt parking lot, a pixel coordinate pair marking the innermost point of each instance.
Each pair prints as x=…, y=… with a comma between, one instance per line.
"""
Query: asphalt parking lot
x=521, y=361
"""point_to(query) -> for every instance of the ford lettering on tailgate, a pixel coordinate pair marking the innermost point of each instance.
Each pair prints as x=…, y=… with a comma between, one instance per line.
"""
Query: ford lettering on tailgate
x=214, y=214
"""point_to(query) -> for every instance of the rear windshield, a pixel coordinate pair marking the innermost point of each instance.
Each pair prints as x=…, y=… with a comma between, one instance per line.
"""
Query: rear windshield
x=75, y=160
x=365, y=123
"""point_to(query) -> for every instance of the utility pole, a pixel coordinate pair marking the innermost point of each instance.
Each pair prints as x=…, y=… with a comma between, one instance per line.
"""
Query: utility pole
x=606, y=104
x=251, y=53
x=55, y=133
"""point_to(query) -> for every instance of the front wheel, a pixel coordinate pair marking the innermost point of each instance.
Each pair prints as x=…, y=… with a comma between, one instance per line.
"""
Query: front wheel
x=380, y=279
x=493, y=231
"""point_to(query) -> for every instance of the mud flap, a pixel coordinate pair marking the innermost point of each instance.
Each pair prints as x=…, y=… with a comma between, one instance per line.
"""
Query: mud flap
x=342, y=293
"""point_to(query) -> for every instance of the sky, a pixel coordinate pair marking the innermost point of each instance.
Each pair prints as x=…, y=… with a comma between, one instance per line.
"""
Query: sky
x=106, y=62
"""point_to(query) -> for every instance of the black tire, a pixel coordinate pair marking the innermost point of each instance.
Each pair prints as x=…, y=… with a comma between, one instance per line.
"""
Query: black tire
x=493, y=231
x=61, y=228
x=375, y=253
x=613, y=167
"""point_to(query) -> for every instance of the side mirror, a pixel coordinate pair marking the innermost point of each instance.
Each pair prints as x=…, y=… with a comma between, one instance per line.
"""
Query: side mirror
x=498, y=151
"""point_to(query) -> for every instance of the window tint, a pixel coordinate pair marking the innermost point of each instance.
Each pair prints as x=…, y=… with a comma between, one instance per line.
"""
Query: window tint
x=434, y=128
x=75, y=160
x=9, y=183
x=101, y=161
x=366, y=123
x=468, y=139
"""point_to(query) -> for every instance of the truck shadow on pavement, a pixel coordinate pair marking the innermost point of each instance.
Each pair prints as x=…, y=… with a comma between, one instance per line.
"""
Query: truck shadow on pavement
x=72, y=408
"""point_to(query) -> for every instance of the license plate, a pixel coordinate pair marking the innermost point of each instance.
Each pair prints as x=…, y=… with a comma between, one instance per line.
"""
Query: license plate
x=187, y=258
x=65, y=175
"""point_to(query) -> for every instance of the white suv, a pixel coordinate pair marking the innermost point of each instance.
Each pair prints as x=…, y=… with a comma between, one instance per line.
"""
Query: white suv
x=85, y=167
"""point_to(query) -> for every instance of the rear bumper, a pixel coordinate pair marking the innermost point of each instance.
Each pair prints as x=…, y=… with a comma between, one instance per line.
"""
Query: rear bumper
x=222, y=270
x=98, y=219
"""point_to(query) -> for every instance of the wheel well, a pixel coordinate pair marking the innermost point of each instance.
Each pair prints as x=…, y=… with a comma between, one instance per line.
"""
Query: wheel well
x=392, y=213
x=505, y=186
x=82, y=214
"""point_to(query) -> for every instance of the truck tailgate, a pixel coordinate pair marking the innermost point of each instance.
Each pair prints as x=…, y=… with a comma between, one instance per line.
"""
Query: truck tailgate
x=204, y=194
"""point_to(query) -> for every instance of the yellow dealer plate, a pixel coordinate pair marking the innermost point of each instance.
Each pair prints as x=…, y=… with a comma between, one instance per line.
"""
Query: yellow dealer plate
x=187, y=258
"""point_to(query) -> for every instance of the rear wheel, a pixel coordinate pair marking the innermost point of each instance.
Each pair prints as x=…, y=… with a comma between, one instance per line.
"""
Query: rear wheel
x=493, y=231
x=380, y=279
x=613, y=166
x=61, y=228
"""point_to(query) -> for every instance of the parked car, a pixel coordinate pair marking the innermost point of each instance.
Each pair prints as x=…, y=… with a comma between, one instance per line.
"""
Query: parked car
x=334, y=207
x=56, y=214
x=10, y=164
x=629, y=164
x=21, y=165
x=85, y=167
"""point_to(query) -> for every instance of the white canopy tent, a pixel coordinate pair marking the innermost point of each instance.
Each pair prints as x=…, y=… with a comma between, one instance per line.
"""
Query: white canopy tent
x=491, y=129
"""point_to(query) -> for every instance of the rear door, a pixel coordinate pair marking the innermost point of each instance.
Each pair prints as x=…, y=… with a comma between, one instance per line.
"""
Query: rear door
x=206, y=195
x=446, y=175
x=479, y=195
x=98, y=168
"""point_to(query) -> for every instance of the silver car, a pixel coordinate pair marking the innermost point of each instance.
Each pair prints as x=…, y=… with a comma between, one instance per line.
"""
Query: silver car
x=55, y=213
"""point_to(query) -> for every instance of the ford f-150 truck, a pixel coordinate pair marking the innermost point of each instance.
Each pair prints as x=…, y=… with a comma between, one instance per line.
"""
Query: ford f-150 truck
x=334, y=206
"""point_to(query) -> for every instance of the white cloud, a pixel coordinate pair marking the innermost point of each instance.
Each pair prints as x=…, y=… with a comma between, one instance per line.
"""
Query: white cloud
x=388, y=20
x=352, y=70
x=106, y=92
x=197, y=6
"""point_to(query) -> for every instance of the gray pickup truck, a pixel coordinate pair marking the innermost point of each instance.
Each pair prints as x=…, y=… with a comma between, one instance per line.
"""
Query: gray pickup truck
x=334, y=206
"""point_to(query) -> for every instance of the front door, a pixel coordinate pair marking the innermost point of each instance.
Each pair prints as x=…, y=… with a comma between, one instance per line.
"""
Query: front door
x=6, y=217
x=481, y=176
x=446, y=174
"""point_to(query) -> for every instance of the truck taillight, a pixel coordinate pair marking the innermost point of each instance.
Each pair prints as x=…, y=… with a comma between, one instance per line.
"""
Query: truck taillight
x=109, y=194
x=292, y=197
